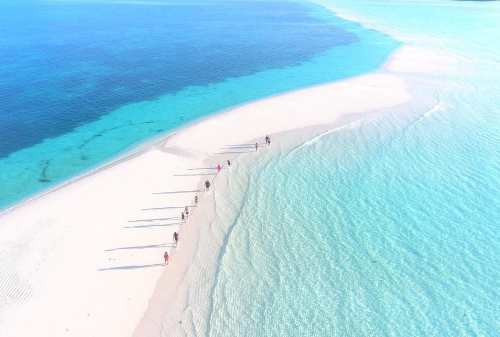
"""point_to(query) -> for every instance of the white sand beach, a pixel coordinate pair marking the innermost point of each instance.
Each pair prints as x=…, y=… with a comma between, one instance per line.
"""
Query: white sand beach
x=86, y=258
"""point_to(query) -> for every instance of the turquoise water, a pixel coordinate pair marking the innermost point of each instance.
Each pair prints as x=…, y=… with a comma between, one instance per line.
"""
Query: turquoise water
x=386, y=228
x=76, y=92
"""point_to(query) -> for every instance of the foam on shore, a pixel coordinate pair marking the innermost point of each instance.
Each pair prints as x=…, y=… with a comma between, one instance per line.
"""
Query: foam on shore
x=84, y=259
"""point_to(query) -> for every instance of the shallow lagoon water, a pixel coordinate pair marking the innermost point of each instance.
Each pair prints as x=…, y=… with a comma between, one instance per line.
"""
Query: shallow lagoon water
x=348, y=245
x=388, y=227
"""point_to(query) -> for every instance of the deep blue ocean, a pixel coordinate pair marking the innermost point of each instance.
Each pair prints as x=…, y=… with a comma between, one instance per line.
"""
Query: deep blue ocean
x=82, y=82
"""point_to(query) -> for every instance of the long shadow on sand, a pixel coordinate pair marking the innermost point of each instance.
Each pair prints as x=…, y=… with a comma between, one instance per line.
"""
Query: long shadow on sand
x=178, y=192
x=194, y=174
x=233, y=152
x=132, y=267
x=162, y=245
x=154, y=219
x=235, y=146
x=158, y=225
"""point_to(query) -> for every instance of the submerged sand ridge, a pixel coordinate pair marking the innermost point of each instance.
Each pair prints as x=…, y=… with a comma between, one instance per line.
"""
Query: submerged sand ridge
x=84, y=260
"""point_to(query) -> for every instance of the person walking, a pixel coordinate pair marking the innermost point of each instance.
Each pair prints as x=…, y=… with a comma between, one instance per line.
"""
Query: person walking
x=165, y=257
x=196, y=200
x=219, y=168
x=176, y=238
x=256, y=146
x=228, y=163
x=186, y=210
x=207, y=185
x=268, y=140
x=183, y=217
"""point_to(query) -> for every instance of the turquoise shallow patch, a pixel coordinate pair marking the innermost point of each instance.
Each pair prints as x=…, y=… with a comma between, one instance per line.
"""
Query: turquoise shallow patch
x=389, y=228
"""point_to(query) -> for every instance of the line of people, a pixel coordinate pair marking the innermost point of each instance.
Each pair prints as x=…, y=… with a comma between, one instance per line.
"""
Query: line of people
x=185, y=213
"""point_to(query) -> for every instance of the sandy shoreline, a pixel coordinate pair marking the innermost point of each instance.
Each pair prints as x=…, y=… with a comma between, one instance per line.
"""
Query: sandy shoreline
x=179, y=302
x=84, y=259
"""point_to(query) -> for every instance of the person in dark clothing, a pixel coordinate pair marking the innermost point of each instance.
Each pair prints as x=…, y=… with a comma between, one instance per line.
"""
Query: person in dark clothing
x=176, y=238
x=207, y=185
